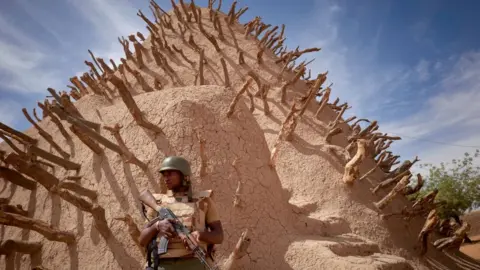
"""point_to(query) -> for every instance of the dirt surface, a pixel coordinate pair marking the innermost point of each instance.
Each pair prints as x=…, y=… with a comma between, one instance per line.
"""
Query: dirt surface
x=299, y=214
x=473, y=250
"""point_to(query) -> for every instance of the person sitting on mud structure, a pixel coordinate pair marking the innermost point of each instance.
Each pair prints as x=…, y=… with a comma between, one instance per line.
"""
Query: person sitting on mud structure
x=196, y=210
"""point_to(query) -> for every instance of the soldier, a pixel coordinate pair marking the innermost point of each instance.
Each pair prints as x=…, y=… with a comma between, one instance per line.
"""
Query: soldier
x=196, y=210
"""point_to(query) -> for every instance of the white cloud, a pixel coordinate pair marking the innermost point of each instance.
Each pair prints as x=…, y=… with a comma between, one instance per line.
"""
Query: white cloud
x=23, y=69
x=451, y=118
x=449, y=115
x=110, y=20
x=422, y=70
x=22, y=61
x=7, y=106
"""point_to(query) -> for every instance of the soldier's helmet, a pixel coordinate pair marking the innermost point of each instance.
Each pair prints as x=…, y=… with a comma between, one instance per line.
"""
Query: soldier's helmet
x=176, y=163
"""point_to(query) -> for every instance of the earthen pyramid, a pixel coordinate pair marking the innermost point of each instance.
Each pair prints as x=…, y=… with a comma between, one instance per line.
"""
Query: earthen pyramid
x=292, y=178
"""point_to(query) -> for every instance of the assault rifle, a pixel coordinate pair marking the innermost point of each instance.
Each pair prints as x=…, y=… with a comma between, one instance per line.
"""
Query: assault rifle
x=147, y=198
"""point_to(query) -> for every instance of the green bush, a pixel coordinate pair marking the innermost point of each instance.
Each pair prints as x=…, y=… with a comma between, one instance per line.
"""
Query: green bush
x=458, y=185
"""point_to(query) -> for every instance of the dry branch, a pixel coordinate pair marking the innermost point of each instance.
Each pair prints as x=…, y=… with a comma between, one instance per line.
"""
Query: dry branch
x=332, y=132
x=259, y=56
x=391, y=195
x=200, y=69
x=239, y=251
x=235, y=42
x=35, y=115
x=241, y=60
x=252, y=102
x=97, y=137
x=17, y=178
x=140, y=35
x=125, y=153
x=138, y=54
x=412, y=190
x=132, y=106
x=264, y=93
x=180, y=51
x=87, y=140
x=9, y=246
x=43, y=228
x=237, y=97
x=126, y=48
x=318, y=83
x=218, y=26
x=225, y=72
x=69, y=118
x=45, y=135
x=16, y=209
x=75, y=81
x=55, y=120
x=141, y=81
x=379, y=162
x=406, y=165
x=231, y=13
x=390, y=181
x=240, y=13
x=77, y=188
x=282, y=134
x=52, y=158
x=152, y=25
x=95, y=60
x=10, y=143
x=17, y=134
x=352, y=170
x=32, y=170
x=255, y=76
x=97, y=212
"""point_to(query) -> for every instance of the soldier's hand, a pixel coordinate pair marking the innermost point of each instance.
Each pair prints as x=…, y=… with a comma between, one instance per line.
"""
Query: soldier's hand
x=165, y=228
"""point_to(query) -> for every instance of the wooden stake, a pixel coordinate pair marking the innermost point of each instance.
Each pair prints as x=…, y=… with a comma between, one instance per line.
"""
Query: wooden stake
x=17, y=134
x=10, y=246
x=43, y=228
x=132, y=106
x=45, y=135
x=391, y=195
x=17, y=178
x=126, y=154
x=200, y=69
x=237, y=96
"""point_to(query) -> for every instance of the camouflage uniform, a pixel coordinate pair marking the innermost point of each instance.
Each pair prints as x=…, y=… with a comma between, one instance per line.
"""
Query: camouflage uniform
x=195, y=214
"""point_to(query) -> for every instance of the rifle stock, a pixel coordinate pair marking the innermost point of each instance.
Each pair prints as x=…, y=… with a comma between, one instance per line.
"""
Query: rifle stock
x=147, y=198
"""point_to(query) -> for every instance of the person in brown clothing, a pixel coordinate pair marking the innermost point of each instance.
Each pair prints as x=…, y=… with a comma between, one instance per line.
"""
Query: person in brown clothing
x=196, y=210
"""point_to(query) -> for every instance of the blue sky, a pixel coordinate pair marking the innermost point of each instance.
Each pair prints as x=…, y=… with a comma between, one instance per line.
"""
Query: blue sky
x=412, y=65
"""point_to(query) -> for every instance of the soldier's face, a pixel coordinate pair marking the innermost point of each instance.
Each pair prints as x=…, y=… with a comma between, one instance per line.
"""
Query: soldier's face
x=172, y=179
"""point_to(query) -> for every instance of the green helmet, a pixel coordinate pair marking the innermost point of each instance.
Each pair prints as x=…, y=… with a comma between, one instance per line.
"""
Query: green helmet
x=176, y=163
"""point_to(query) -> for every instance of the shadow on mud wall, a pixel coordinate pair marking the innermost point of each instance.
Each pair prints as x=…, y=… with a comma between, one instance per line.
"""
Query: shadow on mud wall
x=113, y=182
x=56, y=209
x=306, y=148
x=73, y=252
x=32, y=203
x=131, y=184
x=119, y=253
x=80, y=229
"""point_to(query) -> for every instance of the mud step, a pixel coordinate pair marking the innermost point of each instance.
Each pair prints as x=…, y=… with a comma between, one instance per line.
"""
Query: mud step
x=344, y=252
x=353, y=249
